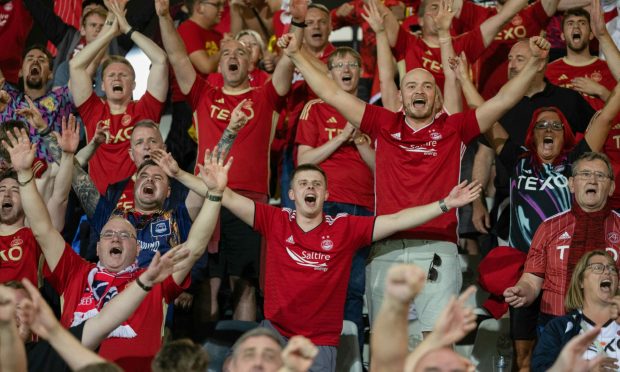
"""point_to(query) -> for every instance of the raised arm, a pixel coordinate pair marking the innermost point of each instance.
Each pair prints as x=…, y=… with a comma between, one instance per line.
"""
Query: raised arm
x=203, y=226
x=452, y=90
x=40, y=317
x=22, y=155
x=493, y=25
x=80, y=82
x=389, y=339
x=102, y=135
x=508, y=96
x=68, y=142
x=157, y=83
x=122, y=306
x=459, y=196
x=12, y=351
x=606, y=43
x=385, y=60
x=597, y=131
x=177, y=54
x=348, y=105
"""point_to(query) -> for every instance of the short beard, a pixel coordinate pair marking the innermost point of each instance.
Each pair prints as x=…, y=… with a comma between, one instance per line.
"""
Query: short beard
x=578, y=50
x=34, y=84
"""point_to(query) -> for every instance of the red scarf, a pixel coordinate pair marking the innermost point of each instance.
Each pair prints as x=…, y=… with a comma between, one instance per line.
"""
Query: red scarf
x=589, y=234
x=102, y=287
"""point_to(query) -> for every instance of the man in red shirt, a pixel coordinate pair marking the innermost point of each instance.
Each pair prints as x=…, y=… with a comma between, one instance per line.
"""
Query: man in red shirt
x=418, y=158
x=345, y=154
x=111, y=162
x=423, y=51
x=561, y=240
x=313, y=251
x=528, y=22
x=240, y=246
x=588, y=74
x=202, y=43
x=87, y=287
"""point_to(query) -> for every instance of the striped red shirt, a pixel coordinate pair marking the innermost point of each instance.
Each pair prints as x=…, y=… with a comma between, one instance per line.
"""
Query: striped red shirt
x=548, y=256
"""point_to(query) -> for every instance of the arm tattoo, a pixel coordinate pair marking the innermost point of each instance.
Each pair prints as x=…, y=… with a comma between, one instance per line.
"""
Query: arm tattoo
x=52, y=145
x=225, y=143
x=85, y=189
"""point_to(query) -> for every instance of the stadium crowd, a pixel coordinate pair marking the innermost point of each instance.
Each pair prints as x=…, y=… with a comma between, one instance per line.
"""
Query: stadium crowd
x=269, y=178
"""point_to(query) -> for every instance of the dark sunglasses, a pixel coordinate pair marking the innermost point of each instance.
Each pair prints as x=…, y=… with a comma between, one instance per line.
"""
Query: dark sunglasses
x=432, y=271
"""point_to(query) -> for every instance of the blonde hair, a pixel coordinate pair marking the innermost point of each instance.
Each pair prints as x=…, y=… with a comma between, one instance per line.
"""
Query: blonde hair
x=575, y=297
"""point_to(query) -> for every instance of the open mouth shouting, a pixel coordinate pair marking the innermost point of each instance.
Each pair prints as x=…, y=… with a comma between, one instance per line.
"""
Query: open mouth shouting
x=7, y=205
x=117, y=87
x=148, y=189
x=317, y=36
x=310, y=199
x=35, y=70
x=233, y=66
x=606, y=286
x=419, y=101
x=116, y=251
x=576, y=36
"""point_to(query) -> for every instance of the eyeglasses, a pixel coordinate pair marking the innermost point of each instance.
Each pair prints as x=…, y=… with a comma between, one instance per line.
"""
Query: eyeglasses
x=588, y=175
x=340, y=65
x=432, y=271
x=544, y=124
x=215, y=5
x=599, y=268
x=122, y=235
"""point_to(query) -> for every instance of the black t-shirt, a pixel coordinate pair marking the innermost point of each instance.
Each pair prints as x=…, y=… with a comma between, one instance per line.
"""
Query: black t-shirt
x=42, y=356
x=516, y=121
x=536, y=193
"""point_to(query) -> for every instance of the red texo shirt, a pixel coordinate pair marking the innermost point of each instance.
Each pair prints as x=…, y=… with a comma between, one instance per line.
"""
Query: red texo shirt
x=70, y=278
x=15, y=25
x=494, y=61
x=111, y=162
x=561, y=72
x=548, y=256
x=127, y=199
x=19, y=256
x=213, y=107
x=306, y=273
x=417, y=53
x=350, y=180
x=195, y=38
x=417, y=168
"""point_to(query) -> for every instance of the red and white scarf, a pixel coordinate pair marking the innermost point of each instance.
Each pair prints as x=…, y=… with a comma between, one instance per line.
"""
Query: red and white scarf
x=102, y=287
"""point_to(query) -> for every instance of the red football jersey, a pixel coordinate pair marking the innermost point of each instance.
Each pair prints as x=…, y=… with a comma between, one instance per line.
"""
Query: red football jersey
x=70, y=279
x=195, y=38
x=494, y=61
x=418, y=167
x=417, y=53
x=306, y=273
x=548, y=258
x=19, y=256
x=251, y=148
x=111, y=162
x=349, y=179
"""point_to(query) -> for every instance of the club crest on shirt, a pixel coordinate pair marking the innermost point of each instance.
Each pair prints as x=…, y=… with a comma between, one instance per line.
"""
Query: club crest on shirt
x=517, y=20
x=435, y=136
x=161, y=228
x=17, y=241
x=596, y=76
x=326, y=243
x=613, y=237
x=126, y=120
